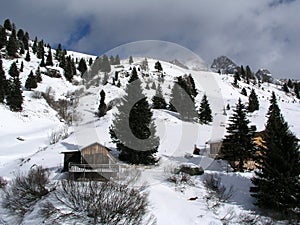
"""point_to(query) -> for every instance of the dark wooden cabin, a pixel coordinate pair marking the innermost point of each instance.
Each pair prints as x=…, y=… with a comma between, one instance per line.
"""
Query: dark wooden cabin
x=90, y=162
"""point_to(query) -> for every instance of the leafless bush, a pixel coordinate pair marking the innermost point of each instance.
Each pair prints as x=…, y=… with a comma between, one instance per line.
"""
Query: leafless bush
x=216, y=192
x=3, y=182
x=36, y=95
x=180, y=179
x=57, y=135
x=25, y=190
x=103, y=202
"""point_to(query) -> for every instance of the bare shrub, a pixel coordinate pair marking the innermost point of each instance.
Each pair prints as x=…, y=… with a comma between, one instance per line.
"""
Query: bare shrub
x=57, y=135
x=180, y=179
x=36, y=95
x=25, y=190
x=103, y=202
x=216, y=192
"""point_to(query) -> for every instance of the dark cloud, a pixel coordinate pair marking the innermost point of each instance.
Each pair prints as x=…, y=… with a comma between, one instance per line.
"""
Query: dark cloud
x=258, y=33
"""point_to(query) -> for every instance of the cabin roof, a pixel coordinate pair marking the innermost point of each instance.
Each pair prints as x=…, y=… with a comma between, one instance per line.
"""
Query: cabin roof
x=82, y=148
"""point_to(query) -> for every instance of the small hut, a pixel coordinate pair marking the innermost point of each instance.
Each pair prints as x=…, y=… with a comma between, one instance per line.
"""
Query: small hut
x=91, y=162
x=214, y=147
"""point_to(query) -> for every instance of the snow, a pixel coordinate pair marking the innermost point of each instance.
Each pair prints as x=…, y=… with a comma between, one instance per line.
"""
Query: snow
x=24, y=136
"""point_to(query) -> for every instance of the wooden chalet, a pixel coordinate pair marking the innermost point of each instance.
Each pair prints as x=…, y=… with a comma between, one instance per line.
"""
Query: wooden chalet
x=91, y=162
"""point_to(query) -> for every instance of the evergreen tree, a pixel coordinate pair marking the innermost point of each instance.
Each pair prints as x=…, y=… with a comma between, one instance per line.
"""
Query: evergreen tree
x=3, y=83
x=144, y=65
x=34, y=46
x=277, y=184
x=158, y=99
x=285, y=88
x=12, y=46
x=102, y=106
x=38, y=75
x=25, y=41
x=297, y=90
x=112, y=60
x=7, y=25
x=22, y=50
x=20, y=34
x=14, y=96
x=82, y=67
x=134, y=75
x=153, y=86
x=90, y=61
x=248, y=72
x=22, y=67
x=158, y=66
x=119, y=83
x=3, y=40
x=117, y=60
x=191, y=81
x=238, y=144
x=58, y=53
x=27, y=57
x=49, y=61
x=244, y=92
x=42, y=63
x=105, y=67
x=31, y=82
x=130, y=60
x=186, y=86
x=205, y=111
x=290, y=84
x=133, y=130
x=68, y=69
x=181, y=102
x=253, y=103
x=40, y=49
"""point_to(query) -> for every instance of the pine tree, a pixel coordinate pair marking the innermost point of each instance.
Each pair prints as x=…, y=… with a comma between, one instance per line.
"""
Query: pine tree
x=38, y=75
x=7, y=25
x=145, y=65
x=31, y=82
x=117, y=60
x=102, y=106
x=42, y=63
x=105, y=67
x=3, y=83
x=27, y=57
x=58, y=53
x=82, y=67
x=130, y=60
x=22, y=50
x=134, y=75
x=49, y=61
x=244, y=92
x=238, y=144
x=158, y=66
x=40, y=49
x=153, y=86
x=3, y=40
x=14, y=96
x=68, y=69
x=191, y=81
x=253, y=103
x=133, y=130
x=290, y=84
x=112, y=60
x=20, y=34
x=205, y=111
x=12, y=46
x=90, y=61
x=297, y=90
x=119, y=83
x=34, y=45
x=276, y=182
x=285, y=88
x=22, y=67
x=158, y=99
x=25, y=41
x=181, y=102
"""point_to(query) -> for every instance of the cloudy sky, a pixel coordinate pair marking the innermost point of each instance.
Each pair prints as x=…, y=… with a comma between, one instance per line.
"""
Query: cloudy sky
x=261, y=33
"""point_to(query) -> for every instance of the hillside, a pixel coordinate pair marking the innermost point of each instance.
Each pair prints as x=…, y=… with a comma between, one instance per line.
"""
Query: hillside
x=26, y=137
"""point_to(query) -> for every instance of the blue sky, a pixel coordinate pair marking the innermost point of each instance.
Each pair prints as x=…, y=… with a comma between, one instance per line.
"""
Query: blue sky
x=261, y=33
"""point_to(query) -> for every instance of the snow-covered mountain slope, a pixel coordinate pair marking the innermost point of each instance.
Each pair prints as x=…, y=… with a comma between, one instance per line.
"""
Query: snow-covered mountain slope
x=25, y=135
